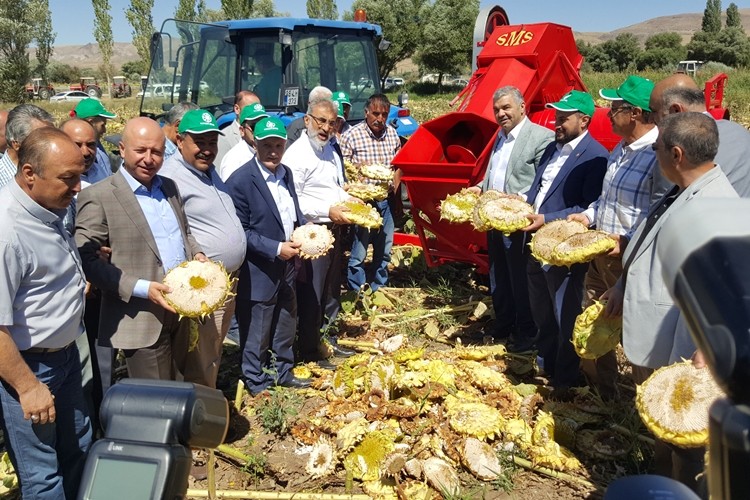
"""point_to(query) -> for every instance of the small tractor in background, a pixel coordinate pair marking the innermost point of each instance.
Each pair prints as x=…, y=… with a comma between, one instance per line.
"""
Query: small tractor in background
x=120, y=88
x=39, y=89
x=89, y=85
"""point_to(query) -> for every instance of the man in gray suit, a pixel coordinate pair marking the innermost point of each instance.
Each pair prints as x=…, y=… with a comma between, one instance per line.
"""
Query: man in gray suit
x=652, y=336
x=513, y=163
x=139, y=215
x=679, y=93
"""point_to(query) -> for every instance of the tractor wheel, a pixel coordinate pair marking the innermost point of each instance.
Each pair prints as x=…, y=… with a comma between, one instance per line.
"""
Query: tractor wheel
x=127, y=92
x=44, y=94
x=93, y=91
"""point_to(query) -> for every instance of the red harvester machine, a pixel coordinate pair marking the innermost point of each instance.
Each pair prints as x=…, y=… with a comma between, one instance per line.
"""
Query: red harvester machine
x=451, y=152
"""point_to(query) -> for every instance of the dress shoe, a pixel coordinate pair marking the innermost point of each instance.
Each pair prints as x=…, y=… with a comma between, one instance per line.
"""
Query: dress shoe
x=297, y=383
x=325, y=364
x=520, y=346
x=342, y=352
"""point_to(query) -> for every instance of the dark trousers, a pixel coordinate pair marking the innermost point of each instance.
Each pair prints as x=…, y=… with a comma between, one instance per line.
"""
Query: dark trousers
x=102, y=357
x=268, y=327
x=165, y=359
x=557, y=294
x=318, y=293
x=509, y=286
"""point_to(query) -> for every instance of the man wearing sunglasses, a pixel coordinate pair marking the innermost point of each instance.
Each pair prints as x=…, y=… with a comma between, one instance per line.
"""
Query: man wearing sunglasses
x=632, y=183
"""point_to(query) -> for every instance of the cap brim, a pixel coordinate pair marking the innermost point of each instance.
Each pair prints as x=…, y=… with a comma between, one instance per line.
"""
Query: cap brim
x=610, y=94
x=255, y=118
x=107, y=114
x=269, y=136
x=199, y=132
x=560, y=106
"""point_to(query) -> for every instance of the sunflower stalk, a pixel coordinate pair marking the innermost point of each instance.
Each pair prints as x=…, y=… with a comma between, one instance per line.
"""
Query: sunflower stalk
x=526, y=464
x=232, y=453
x=238, y=395
x=420, y=314
x=624, y=431
x=272, y=495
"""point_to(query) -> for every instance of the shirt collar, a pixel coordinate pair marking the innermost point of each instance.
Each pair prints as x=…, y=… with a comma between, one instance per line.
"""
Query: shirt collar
x=202, y=175
x=646, y=139
x=514, y=132
x=380, y=137
x=268, y=175
x=135, y=185
x=572, y=144
x=31, y=206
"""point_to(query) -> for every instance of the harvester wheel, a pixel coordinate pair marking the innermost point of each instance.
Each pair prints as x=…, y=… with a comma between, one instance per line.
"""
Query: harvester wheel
x=93, y=91
x=44, y=94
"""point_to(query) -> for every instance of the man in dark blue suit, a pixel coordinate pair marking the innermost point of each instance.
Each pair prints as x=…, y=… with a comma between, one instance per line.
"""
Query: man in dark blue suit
x=569, y=177
x=266, y=203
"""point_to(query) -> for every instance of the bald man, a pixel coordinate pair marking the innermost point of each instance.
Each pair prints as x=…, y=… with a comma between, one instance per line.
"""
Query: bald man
x=679, y=93
x=139, y=215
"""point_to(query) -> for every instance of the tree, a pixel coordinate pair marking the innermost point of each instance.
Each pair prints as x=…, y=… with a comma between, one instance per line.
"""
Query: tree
x=712, y=17
x=322, y=9
x=16, y=33
x=238, y=9
x=401, y=21
x=663, y=50
x=103, y=36
x=623, y=50
x=134, y=69
x=190, y=10
x=448, y=36
x=733, y=16
x=41, y=19
x=139, y=16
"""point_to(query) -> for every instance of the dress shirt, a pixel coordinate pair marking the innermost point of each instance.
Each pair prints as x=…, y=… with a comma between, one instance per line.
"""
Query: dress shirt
x=318, y=177
x=240, y=154
x=163, y=224
x=501, y=155
x=7, y=169
x=227, y=141
x=283, y=199
x=100, y=170
x=627, y=188
x=209, y=210
x=361, y=146
x=42, y=284
x=555, y=163
x=170, y=148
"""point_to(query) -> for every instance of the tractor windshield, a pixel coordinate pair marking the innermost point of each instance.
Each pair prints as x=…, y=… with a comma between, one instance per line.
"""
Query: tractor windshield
x=279, y=59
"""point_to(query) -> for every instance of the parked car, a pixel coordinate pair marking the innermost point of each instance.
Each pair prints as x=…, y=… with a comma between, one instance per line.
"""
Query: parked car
x=458, y=82
x=69, y=95
x=157, y=90
x=393, y=83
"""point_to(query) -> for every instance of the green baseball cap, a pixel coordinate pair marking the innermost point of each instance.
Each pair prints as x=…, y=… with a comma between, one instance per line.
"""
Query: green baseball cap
x=92, y=107
x=198, y=121
x=575, y=100
x=342, y=97
x=269, y=127
x=253, y=112
x=635, y=90
x=339, y=108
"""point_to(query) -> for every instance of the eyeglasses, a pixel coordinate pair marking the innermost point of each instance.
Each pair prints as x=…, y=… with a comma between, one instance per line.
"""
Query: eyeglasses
x=614, y=111
x=322, y=122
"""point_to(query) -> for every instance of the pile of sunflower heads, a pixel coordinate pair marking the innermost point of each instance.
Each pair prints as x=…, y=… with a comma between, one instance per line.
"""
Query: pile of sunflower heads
x=8, y=478
x=405, y=423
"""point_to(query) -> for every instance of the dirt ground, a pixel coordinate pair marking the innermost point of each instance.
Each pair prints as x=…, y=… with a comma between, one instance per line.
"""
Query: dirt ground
x=276, y=461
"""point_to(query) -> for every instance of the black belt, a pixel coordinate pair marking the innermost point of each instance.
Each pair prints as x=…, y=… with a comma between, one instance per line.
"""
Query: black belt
x=46, y=350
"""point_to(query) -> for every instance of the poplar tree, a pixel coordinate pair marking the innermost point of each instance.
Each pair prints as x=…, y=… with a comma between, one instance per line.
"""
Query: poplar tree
x=103, y=36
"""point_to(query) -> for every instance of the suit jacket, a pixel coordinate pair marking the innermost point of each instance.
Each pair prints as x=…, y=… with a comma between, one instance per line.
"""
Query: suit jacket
x=109, y=215
x=734, y=151
x=524, y=159
x=652, y=335
x=262, y=271
x=576, y=185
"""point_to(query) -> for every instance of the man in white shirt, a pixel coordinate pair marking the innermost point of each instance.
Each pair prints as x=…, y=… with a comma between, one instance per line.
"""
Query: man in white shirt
x=318, y=179
x=569, y=178
x=243, y=151
x=515, y=157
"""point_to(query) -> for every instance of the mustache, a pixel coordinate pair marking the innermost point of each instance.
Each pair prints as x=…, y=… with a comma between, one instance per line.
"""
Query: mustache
x=204, y=156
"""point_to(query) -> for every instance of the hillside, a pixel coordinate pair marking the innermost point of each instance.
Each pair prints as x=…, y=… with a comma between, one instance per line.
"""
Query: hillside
x=88, y=56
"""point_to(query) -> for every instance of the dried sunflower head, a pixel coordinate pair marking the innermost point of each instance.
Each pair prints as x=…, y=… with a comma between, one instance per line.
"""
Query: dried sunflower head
x=368, y=191
x=551, y=234
x=322, y=459
x=582, y=247
x=362, y=214
x=377, y=171
x=315, y=239
x=475, y=419
x=674, y=401
x=458, y=207
x=480, y=459
x=504, y=214
x=593, y=334
x=198, y=288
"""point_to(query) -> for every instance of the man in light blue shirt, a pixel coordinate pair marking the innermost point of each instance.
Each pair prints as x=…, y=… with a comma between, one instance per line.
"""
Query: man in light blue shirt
x=214, y=223
x=140, y=216
x=45, y=418
x=94, y=112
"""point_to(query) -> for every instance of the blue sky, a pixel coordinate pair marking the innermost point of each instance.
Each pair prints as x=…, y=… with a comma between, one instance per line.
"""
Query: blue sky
x=73, y=20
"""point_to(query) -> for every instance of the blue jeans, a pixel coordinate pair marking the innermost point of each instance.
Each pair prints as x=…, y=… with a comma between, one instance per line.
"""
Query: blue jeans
x=49, y=458
x=382, y=241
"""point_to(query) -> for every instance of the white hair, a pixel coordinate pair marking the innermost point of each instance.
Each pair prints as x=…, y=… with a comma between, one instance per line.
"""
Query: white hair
x=318, y=93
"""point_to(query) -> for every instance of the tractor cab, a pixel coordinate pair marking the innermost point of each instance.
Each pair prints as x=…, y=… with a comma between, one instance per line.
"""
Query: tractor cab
x=280, y=59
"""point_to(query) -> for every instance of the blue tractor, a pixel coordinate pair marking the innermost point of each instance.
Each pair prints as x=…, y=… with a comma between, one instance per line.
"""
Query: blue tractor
x=280, y=59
